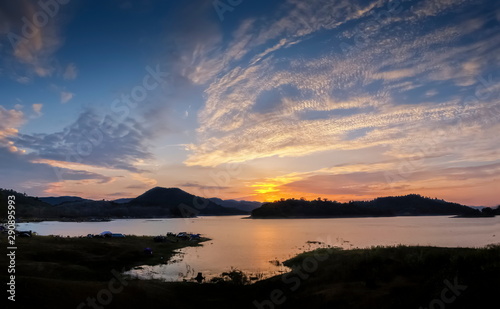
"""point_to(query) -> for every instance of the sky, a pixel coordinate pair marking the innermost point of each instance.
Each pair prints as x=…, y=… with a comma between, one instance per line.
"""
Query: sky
x=254, y=100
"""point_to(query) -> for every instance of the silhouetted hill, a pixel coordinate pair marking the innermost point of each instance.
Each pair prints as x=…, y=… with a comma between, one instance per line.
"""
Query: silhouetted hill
x=415, y=204
x=56, y=200
x=122, y=200
x=21, y=198
x=174, y=202
x=157, y=202
x=247, y=206
x=408, y=205
x=25, y=205
x=180, y=203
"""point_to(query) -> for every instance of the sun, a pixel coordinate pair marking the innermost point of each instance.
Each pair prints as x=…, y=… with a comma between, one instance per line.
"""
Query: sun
x=267, y=192
x=266, y=188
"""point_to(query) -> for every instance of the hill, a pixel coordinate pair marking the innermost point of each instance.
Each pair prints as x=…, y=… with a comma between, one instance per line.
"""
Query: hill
x=180, y=203
x=26, y=206
x=408, y=205
x=56, y=200
x=123, y=200
x=247, y=206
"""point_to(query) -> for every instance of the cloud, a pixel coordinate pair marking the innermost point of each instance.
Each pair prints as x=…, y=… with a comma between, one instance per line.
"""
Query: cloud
x=119, y=194
x=71, y=72
x=139, y=186
x=37, y=108
x=429, y=8
x=93, y=140
x=380, y=183
x=145, y=180
x=66, y=96
x=196, y=36
x=201, y=53
x=371, y=95
x=10, y=121
x=23, y=79
x=396, y=74
x=200, y=186
x=33, y=42
x=23, y=174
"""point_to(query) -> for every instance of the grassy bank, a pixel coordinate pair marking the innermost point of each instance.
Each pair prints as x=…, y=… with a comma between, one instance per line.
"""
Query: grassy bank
x=65, y=272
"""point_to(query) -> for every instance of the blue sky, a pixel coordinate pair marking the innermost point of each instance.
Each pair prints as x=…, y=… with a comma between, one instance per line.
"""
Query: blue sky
x=251, y=99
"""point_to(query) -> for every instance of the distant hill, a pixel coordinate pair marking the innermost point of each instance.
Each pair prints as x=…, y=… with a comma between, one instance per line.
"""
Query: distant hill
x=247, y=206
x=408, y=205
x=122, y=200
x=478, y=207
x=180, y=203
x=56, y=200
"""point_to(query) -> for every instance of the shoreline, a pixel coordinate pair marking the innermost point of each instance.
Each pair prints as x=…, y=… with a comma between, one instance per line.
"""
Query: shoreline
x=354, y=217
x=38, y=220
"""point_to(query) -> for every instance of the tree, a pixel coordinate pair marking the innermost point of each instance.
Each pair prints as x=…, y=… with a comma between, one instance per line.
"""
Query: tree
x=488, y=211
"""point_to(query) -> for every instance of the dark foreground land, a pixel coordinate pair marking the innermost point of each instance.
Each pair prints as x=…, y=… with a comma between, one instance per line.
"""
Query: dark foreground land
x=82, y=273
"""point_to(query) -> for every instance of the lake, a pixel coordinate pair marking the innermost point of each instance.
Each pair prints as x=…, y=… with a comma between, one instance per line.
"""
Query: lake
x=254, y=246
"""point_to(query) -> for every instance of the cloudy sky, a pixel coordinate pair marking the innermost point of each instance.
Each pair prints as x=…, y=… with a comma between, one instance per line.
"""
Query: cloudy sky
x=256, y=100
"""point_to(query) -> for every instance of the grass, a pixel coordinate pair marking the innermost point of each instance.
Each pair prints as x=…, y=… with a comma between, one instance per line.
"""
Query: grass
x=400, y=277
x=63, y=272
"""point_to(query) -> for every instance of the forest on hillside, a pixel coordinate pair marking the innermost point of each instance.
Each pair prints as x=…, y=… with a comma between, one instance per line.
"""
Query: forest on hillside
x=411, y=205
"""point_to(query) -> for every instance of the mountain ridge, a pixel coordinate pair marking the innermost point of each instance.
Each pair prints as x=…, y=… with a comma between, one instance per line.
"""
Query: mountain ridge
x=174, y=202
x=242, y=205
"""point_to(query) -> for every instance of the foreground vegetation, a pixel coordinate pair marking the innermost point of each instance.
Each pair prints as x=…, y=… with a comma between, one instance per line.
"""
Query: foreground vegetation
x=55, y=272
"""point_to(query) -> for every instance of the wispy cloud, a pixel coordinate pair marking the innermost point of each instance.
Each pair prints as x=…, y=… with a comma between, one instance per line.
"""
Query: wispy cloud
x=66, y=96
x=198, y=186
x=341, y=100
x=37, y=108
x=71, y=72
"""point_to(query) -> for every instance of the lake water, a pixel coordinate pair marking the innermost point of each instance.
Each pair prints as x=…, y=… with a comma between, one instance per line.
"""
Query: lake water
x=252, y=245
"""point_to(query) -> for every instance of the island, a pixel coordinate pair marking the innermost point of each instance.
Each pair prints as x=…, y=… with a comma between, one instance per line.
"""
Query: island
x=407, y=205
